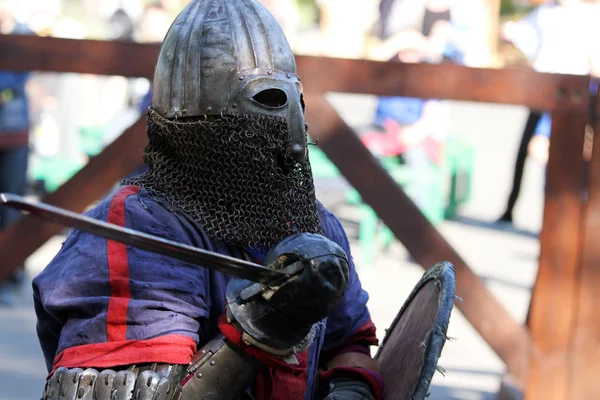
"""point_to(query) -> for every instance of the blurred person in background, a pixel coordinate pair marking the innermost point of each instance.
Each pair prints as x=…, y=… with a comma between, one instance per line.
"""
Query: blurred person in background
x=117, y=10
x=120, y=26
x=411, y=128
x=449, y=33
x=15, y=123
x=557, y=37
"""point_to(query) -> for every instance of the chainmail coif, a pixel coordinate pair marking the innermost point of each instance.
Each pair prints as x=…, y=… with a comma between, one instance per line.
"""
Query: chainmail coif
x=232, y=175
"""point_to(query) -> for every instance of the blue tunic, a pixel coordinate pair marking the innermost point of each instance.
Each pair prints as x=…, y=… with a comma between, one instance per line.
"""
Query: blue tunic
x=103, y=304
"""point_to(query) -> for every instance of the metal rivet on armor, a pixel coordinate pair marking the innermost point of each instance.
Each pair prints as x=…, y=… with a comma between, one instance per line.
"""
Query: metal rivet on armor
x=288, y=75
x=199, y=375
x=234, y=105
x=270, y=72
x=184, y=111
x=213, y=362
x=209, y=109
x=242, y=78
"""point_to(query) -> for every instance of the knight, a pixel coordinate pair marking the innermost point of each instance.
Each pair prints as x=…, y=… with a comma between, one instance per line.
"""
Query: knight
x=228, y=171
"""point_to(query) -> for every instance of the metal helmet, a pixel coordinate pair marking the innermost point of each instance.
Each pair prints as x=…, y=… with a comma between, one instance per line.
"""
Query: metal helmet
x=224, y=57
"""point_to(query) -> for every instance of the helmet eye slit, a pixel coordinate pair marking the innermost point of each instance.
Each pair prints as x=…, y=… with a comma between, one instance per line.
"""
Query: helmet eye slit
x=271, y=98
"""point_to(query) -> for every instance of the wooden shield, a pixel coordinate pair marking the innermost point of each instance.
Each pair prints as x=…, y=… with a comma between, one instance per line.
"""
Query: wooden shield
x=409, y=353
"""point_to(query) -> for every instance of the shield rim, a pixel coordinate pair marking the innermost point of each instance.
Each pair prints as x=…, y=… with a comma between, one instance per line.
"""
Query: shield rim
x=444, y=274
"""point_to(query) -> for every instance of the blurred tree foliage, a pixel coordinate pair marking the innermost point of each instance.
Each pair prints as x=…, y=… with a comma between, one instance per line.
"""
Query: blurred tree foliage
x=507, y=7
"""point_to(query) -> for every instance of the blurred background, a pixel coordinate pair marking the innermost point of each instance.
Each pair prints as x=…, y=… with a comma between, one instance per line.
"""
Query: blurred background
x=458, y=161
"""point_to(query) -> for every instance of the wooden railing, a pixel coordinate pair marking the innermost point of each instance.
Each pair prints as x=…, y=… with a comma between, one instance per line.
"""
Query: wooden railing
x=556, y=355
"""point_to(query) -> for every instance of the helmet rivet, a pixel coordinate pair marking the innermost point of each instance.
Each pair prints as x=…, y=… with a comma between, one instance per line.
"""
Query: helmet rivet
x=242, y=78
x=209, y=109
x=184, y=111
x=288, y=75
x=270, y=72
x=234, y=105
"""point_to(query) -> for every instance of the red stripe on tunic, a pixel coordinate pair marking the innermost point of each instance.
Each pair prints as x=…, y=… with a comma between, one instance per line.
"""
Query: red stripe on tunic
x=168, y=349
x=118, y=266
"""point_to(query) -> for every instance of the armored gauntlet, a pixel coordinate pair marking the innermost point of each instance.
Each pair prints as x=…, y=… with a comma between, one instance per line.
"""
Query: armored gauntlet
x=279, y=318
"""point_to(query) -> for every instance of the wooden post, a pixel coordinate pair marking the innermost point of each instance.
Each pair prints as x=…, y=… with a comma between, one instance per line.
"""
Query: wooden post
x=554, y=295
x=584, y=362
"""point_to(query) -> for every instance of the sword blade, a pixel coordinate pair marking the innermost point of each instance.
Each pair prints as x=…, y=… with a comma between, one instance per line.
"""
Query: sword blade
x=218, y=262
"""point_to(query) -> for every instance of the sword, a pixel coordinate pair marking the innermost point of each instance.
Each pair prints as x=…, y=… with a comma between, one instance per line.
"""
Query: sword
x=218, y=262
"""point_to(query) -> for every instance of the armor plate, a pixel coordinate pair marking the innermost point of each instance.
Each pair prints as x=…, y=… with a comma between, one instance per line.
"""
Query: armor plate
x=143, y=382
x=217, y=372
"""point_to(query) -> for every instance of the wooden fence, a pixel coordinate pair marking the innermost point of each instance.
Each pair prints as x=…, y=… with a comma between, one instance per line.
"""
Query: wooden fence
x=557, y=354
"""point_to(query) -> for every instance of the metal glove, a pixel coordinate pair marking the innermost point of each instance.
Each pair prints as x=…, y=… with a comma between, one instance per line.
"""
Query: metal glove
x=279, y=318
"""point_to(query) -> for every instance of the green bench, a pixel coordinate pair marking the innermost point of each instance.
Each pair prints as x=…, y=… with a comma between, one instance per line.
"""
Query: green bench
x=460, y=159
